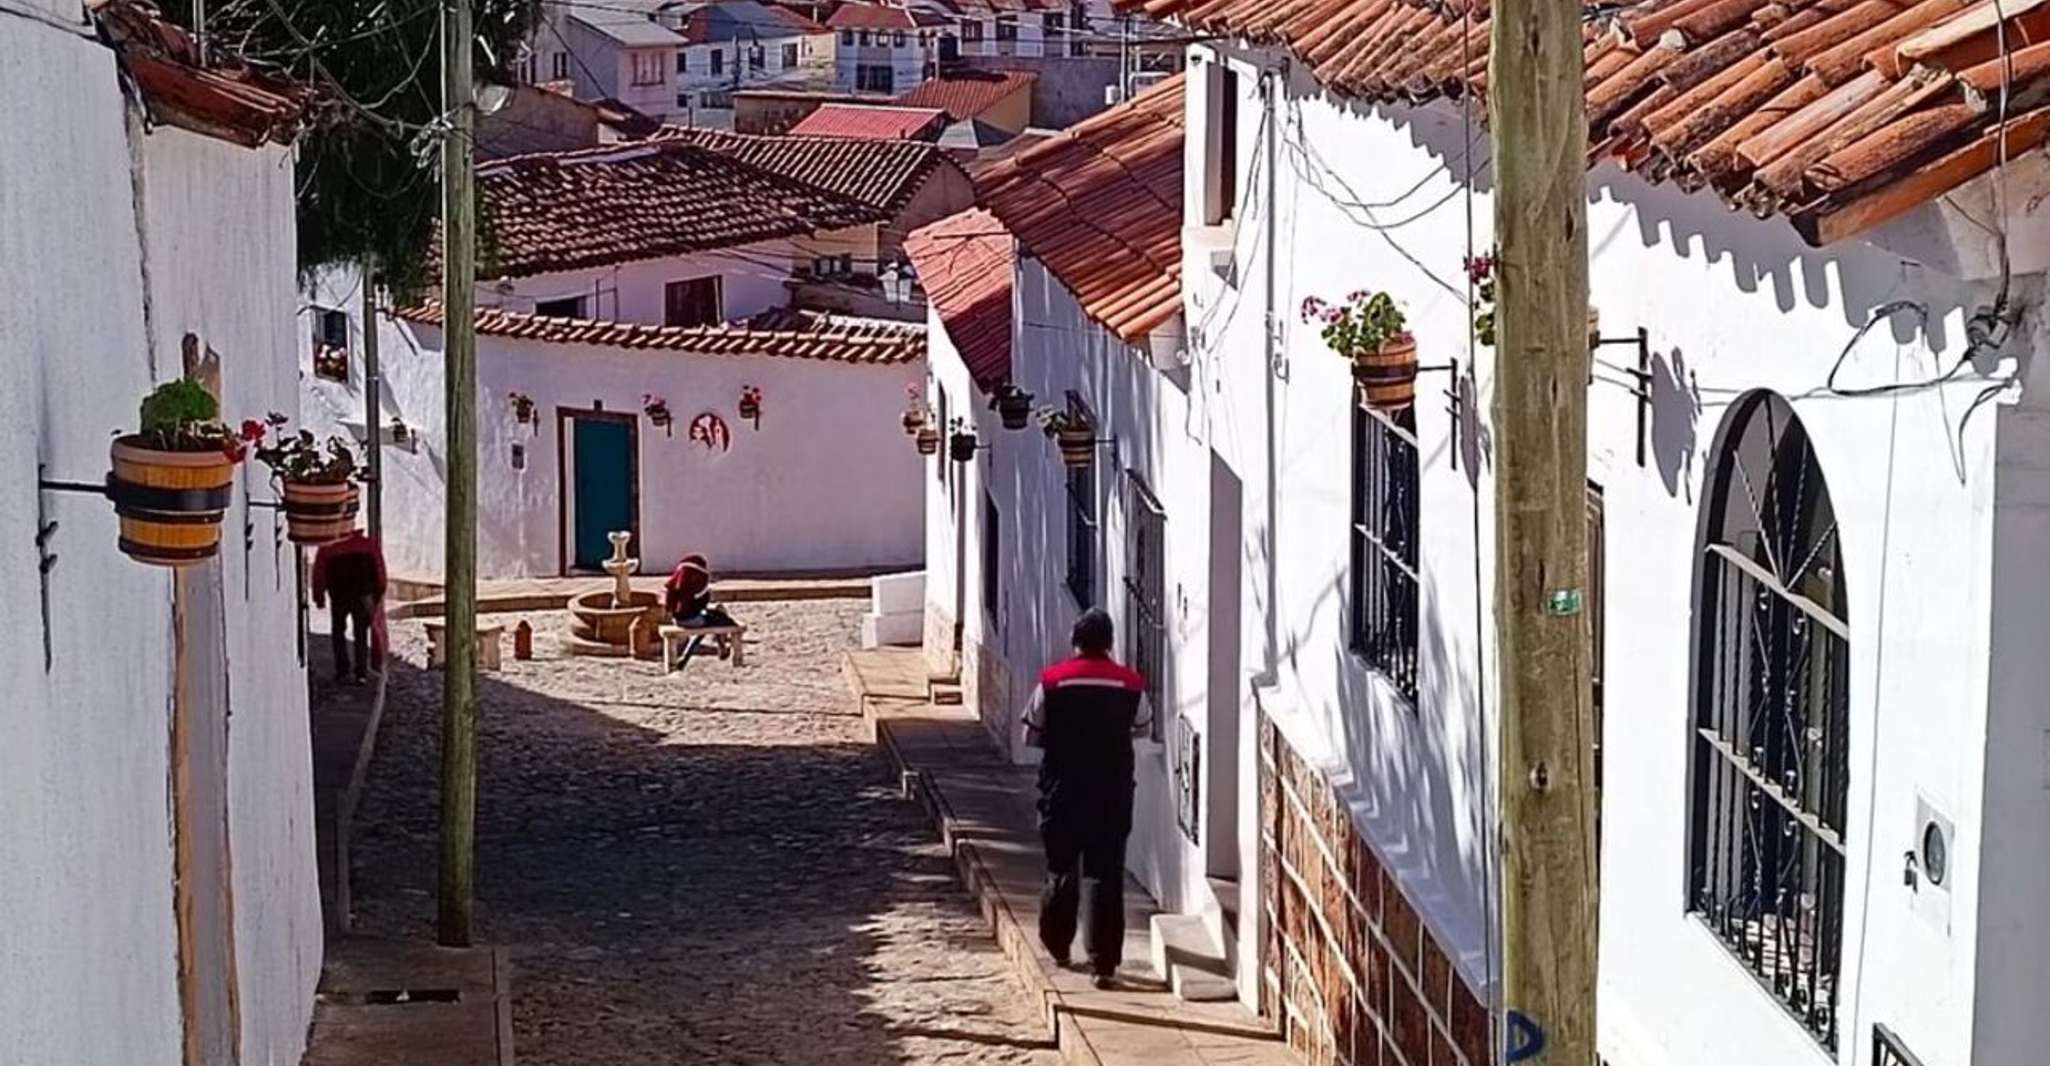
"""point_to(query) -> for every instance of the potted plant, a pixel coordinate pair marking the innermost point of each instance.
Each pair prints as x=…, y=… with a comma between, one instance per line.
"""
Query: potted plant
x=1013, y=405
x=401, y=434
x=928, y=440
x=1073, y=434
x=523, y=409
x=1369, y=330
x=173, y=478
x=1481, y=271
x=317, y=483
x=961, y=445
x=751, y=405
x=657, y=410
x=914, y=410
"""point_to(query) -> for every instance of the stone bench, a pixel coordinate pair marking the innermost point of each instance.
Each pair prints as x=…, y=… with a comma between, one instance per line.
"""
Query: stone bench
x=728, y=638
x=488, y=640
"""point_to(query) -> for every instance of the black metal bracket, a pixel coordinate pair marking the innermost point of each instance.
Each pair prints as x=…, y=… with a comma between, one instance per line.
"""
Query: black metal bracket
x=1454, y=406
x=46, y=559
x=1439, y=368
x=1641, y=375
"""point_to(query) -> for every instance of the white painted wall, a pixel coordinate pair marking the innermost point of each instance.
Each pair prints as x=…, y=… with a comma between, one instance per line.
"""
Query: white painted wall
x=88, y=956
x=753, y=279
x=814, y=69
x=826, y=483
x=1732, y=305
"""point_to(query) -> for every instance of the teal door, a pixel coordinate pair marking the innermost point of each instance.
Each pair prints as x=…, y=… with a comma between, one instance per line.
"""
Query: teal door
x=604, y=485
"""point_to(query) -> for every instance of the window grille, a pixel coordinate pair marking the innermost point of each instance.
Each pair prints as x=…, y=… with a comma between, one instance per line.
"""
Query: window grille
x=992, y=557
x=1385, y=521
x=1887, y=1049
x=1082, y=521
x=1146, y=592
x=1772, y=717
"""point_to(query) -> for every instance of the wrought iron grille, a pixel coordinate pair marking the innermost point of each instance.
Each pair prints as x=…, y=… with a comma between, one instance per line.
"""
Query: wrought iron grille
x=1082, y=520
x=1772, y=718
x=1146, y=593
x=1887, y=1049
x=1383, y=624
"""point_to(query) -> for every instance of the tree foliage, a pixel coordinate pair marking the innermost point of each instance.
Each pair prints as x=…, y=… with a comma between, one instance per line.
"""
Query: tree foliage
x=369, y=189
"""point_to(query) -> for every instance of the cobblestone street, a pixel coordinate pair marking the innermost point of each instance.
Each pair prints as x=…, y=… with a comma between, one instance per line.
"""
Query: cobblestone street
x=708, y=868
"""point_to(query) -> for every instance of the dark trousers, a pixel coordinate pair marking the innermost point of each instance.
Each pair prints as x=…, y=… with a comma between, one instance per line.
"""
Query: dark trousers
x=343, y=612
x=1084, y=865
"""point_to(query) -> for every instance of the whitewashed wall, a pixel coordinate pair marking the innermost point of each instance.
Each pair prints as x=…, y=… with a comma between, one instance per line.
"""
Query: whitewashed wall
x=826, y=483
x=88, y=957
x=752, y=277
x=1732, y=305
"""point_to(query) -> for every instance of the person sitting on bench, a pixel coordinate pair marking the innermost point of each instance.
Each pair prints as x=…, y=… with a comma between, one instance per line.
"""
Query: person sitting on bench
x=688, y=601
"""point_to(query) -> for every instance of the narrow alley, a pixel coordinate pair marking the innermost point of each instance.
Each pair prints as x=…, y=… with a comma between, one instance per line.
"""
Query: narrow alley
x=707, y=868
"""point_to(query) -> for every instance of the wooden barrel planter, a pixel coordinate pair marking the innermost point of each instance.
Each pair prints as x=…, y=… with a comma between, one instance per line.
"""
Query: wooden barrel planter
x=1014, y=408
x=962, y=447
x=170, y=503
x=319, y=514
x=913, y=419
x=1078, y=446
x=928, y=440
x=1387, y=375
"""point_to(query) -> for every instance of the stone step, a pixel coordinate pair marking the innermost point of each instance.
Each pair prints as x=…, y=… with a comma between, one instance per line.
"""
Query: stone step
x=1187, y=958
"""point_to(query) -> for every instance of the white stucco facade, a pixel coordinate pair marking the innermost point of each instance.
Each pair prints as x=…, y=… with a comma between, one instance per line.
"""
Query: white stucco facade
x=1247, y=450
x=117, y=244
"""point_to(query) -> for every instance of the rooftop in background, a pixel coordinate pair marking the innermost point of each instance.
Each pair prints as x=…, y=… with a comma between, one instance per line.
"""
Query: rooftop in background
x=631, y=23
x=1837, y=116
x=967, y=94
x=873, y=122
x=1100, y=205
x=742, y=20
x=781, y=333
x=966, y=264
x=537, y=118
x=862, y=16
x=220, y=98
x=881, y=174
x=569, y=210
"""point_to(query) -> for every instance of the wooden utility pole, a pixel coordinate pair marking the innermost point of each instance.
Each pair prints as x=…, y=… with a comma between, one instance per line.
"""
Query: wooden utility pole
x=1537, y=113
x=373, y=403
x=459, y=574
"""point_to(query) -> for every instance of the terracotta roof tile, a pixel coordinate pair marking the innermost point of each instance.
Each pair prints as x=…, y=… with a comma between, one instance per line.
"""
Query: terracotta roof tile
x=874, y=123
x=219, y=98
x=871, y=17
x=882, y=174
x=1100, y=205
x=778, y=334
x=1836, y=114
x=968, y=94
x=570, y=210
x=966, y=265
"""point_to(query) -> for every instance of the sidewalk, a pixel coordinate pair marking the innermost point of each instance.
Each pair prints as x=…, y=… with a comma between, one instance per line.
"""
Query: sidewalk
x=344, y=727
x=983, y=807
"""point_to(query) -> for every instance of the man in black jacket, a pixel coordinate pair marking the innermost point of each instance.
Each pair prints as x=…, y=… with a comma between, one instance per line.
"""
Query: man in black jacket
x=1083, y=715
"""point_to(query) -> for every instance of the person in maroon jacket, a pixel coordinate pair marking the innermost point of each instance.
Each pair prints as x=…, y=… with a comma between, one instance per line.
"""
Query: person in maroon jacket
x=1083, y=716
x=349, y=574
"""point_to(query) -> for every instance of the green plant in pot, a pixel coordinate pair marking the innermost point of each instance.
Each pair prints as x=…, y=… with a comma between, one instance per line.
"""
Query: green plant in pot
x=318, y=481
x=1013, y=406
x=1073, y=433
x=173, y=478
x=1369, y=330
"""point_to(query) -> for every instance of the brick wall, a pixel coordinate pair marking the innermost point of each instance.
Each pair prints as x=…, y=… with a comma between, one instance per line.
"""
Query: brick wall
x=940, y=659
x=1350, y=973
x=985, y=687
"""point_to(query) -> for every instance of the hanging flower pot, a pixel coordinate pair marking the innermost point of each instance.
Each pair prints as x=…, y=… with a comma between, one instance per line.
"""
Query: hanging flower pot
x=1013, y=406
x=657, y=410
x=1369, y=330
x=962, y=446
x=1073, y=435
x=914, y=411
x=172, y=482
x=928, y=440
x=751, y=405
x=400, y=432
x=523, y=410
x=317, y=483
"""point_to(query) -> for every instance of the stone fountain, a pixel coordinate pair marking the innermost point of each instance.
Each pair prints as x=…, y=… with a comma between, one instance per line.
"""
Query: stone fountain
x=605, y=619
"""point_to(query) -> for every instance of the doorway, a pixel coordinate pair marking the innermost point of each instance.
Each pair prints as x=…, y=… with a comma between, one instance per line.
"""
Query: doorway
x=601, y=477
x=1227, y=520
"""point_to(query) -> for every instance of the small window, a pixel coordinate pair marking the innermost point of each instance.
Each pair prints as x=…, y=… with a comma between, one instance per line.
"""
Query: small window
x=971, y=30
x=757, y=58
x=1222, y=165
x=695, y=302
x=1007, y=27
x=683, y=61
x=648, y=68
x=897, y=39
x=568, y=307
x=560, y=69
x=992, y=557
x=1082, y=522
x=847, y=38
x=864, y=38
x=331, y=344
x=875, y=78
x=1385, y=519
x=1146, y=592
x=789, y=56
x=718, y=61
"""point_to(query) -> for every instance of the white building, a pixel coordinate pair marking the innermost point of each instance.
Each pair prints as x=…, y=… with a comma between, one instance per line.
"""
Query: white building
x=669, y=269
x=742, y=44
x=157, y=835
x=1325, y=572
x=680, y=60
x=883, y=48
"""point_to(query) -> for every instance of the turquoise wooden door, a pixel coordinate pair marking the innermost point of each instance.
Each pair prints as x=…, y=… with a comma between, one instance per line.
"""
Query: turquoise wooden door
x=604, y=486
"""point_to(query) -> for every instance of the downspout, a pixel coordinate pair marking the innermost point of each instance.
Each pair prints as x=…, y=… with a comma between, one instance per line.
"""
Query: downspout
x=1270, y=669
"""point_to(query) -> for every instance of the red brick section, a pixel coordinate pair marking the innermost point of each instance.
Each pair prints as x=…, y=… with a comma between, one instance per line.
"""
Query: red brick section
x=1350, y=974
x=1837, y=115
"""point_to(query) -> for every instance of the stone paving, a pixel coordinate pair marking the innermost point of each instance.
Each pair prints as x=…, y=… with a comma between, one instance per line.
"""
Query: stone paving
x=713, y=867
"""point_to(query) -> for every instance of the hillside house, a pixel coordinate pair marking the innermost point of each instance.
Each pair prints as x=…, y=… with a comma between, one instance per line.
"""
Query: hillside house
x=883, y=48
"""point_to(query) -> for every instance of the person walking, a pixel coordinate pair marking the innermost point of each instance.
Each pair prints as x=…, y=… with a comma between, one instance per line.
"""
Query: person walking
x=1083, y=715
x=349, y=579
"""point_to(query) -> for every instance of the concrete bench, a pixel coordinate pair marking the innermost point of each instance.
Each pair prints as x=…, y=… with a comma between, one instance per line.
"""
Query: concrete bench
x=488, y=640
x=728, y=638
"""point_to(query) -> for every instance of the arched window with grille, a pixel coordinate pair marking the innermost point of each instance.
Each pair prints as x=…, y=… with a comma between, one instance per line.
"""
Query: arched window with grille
x=1772, y=715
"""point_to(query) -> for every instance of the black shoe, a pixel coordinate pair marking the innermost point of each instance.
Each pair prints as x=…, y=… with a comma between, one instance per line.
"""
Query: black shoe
x=1104, y=982
x=1064, y=962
